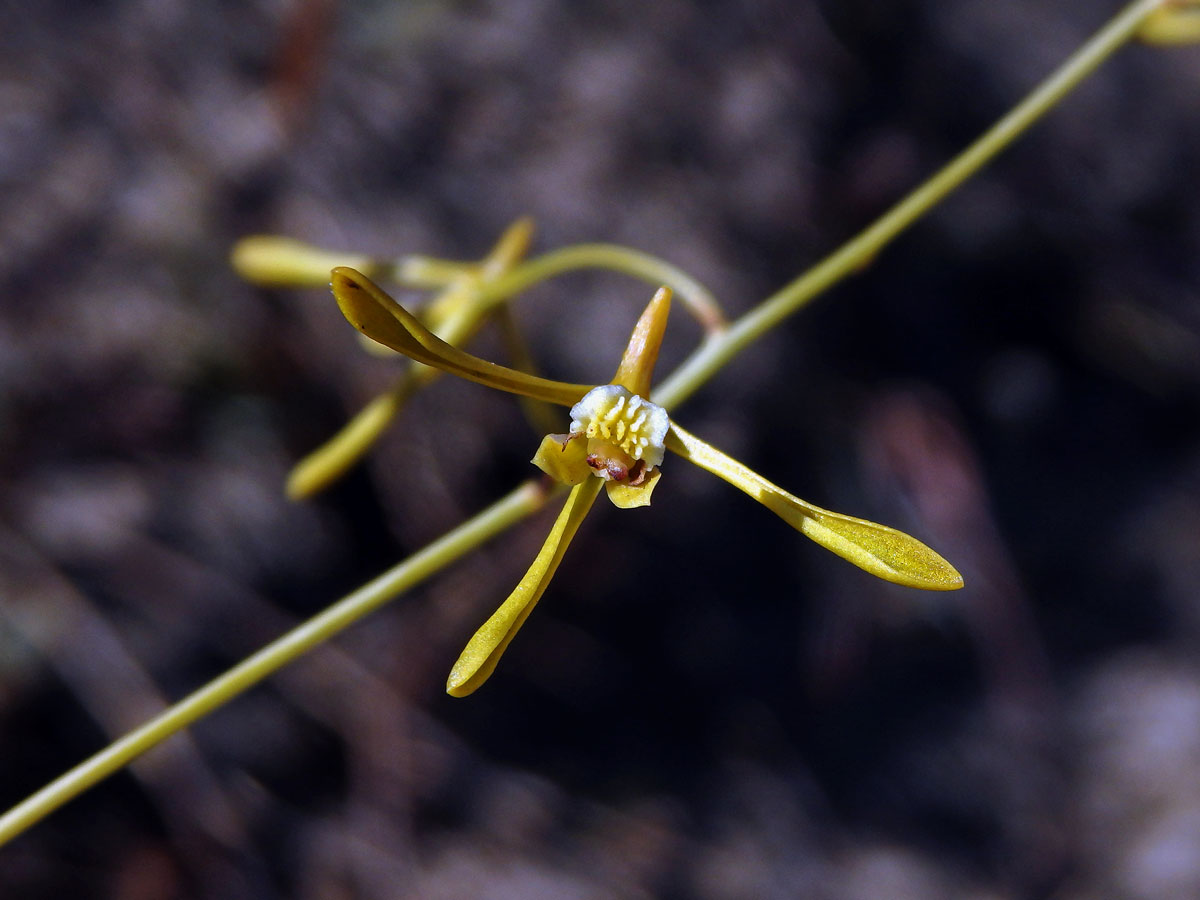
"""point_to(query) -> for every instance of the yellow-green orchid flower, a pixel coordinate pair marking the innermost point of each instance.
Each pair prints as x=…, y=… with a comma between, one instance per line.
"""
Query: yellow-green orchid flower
x=617, y=441
x=469, y=293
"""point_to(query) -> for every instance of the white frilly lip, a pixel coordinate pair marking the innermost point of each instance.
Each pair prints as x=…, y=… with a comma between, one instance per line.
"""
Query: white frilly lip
x=610, y=412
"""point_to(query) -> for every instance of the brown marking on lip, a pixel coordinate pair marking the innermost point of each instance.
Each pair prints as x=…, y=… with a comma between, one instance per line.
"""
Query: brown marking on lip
x=638, y=473
x=614, y=469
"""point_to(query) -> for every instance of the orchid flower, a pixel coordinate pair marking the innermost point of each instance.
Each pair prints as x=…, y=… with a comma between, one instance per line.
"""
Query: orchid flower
x=468, y=294
x=617, y=440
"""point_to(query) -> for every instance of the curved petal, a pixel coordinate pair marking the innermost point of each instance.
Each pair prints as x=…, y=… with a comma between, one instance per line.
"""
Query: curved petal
x=884, y=552
x=563, y=458
x=369, y=309
x=637, y=363
x=483, y=651
x=329, y=462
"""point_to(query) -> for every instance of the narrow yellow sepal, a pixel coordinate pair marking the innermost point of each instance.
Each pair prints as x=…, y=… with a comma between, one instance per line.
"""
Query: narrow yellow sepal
x=331, y=460
x=460, y=299
x=484, y=650
x=373, y=312
x=637, y=363
x=374, y=348
x=884, y=552
x=283, y=262
x=627, y=496
x=509, y=250
x=563, y=458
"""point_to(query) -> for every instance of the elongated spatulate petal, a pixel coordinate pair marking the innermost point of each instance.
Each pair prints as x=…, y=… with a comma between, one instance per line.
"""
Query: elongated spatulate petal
x=884, y=552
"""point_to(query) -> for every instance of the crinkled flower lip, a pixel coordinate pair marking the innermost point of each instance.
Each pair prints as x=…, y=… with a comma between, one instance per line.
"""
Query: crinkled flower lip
x=622, y=431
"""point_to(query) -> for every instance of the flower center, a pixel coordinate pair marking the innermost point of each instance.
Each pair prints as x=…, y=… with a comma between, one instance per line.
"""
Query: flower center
x=624, y=432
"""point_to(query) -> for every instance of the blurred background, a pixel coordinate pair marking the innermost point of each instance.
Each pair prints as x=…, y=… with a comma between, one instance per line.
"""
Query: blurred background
x=705, y=705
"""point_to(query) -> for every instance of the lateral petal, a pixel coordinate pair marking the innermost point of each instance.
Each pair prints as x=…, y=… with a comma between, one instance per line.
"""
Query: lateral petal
x=483, y=651
x=884, y=552
x=373, y=312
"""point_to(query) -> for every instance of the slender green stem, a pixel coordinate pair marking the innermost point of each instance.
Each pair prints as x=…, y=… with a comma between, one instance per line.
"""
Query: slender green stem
x=612, y=257
x=856, y=254
x=498, y=517
x=722, y=343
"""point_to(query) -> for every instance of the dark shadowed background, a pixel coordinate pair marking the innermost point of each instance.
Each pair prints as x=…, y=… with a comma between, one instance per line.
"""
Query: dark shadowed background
x=705, y=705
